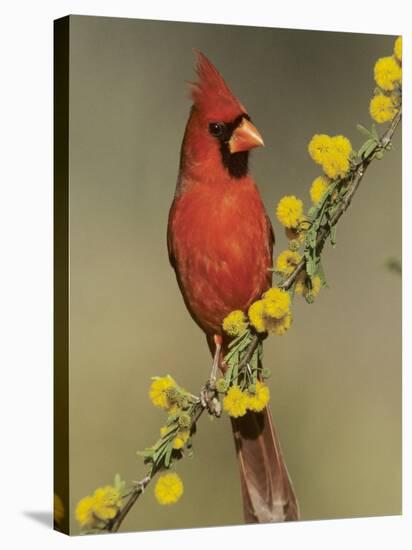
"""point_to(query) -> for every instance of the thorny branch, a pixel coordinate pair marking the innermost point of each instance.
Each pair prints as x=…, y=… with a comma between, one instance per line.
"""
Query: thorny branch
x=357, y=173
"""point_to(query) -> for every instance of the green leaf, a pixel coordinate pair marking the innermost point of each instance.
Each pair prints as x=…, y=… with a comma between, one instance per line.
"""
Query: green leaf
x=228, y=375
x=321, y=274
x=367, y=148
x=119, y=484
x=311, y=211
x=146, y=453
x=159, y=453
x=375, y=133
x=364, y=130
x=168, y=454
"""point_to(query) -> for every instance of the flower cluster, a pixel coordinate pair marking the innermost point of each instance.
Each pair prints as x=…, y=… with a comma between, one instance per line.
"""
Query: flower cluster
x=290, y=212
x=318, y=189
x=94, y=510
x=235, y=323
x=254, y=398
x=388, y=77
x=168, y=489
x=332, y=153
x=272, y=313
x=177, y=402
x=175, y=435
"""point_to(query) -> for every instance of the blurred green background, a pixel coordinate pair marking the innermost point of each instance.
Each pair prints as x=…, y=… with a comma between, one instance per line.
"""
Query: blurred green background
x=336, y=377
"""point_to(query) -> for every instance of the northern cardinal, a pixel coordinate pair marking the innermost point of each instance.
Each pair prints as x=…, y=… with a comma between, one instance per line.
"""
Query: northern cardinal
x=220, y=243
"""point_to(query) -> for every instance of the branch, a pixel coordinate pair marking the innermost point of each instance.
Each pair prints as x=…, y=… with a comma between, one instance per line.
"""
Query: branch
x=141, y=485
x=208, y=397
x=357, y=175
x=355, y=178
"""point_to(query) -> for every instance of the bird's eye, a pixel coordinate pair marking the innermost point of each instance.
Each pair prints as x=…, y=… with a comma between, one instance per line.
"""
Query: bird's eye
x=216, y=129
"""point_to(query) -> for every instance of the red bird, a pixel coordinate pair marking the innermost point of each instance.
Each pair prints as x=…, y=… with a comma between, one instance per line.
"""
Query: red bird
x=220, y=244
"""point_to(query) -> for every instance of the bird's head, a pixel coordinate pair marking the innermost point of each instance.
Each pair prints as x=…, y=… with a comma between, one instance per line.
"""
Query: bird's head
x=220, y=129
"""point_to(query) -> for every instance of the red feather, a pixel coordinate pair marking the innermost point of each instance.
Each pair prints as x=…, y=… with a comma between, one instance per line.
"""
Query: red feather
x=211, y=95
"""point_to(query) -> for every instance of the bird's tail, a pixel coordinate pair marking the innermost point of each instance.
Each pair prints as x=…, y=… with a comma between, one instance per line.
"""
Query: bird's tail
x=267, y=490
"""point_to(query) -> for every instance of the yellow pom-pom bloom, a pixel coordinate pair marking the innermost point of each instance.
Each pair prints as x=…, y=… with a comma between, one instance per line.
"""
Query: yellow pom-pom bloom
x=332, y=153
x=84, y=511
x=107, y=502
x=318, y=189
x=276, y=303
x=168, y=489
x=290, y=211
x=258, y=401
x=382, y=109
x=388, y=73
x=319, y=147
x=157, y=392
x=336, y=166
x=342, y=145
x=58, y=509
x=256, y=316
x=302, y=288
x=397, y=49
x=235, y=323
x=235, y=402
x=180, y=439
x=287, y=261
x=280, y=326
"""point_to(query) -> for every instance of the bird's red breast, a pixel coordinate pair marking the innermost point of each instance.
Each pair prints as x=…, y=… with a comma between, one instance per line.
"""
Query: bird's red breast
x=219, y=236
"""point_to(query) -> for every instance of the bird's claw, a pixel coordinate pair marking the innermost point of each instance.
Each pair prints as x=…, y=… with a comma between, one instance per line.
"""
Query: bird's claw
x=209, y=399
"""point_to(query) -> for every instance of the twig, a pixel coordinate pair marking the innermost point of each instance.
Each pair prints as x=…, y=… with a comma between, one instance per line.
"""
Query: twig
x=143, y=483
x=358, y=173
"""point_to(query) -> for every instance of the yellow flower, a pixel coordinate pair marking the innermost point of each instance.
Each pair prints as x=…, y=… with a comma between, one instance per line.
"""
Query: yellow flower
x=388, y=73
x=84, y=511
x=332, y=153
x=258, y=401
x=180, y=439
x=342, y=145
x=276, y=303
x=319, y=147
x=58, y=509
x=168, y=489
x=280, y=326
x=287, y=261
x=235, y=402
x=336, y=165
x=157, y=392
x=318, y=189
x=107, y=502
x=235, y=323
x=256, y=316
x=290, y=211
x=397, y=50
x=382, y=109
x=302, y=288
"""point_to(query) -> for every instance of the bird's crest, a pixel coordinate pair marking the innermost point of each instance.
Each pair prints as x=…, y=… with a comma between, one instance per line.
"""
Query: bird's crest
x=211, y=95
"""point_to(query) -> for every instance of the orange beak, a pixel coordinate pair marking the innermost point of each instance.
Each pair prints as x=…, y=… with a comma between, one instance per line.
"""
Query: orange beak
x=245, y=137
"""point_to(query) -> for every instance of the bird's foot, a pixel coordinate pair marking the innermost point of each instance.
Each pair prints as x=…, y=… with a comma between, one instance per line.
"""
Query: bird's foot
x=209, y=399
